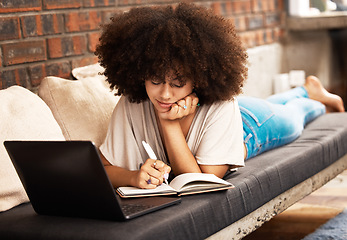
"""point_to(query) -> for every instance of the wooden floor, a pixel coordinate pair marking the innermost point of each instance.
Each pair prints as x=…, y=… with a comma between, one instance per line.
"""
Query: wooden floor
x=308, y=214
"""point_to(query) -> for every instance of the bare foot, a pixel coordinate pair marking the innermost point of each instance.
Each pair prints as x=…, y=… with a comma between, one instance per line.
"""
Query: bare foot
x=317, y=92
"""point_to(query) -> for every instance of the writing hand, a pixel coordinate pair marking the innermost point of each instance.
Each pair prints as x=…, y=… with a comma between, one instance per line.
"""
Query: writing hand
x=151, y=174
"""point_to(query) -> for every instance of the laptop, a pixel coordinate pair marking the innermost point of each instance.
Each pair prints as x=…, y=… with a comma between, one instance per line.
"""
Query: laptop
x=67, y=178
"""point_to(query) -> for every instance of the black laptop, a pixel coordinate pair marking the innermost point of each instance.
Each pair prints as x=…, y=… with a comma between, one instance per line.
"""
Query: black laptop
x=67, y=178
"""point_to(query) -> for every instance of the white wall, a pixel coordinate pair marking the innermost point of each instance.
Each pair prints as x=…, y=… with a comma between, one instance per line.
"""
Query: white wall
x=264, y=63
x=308, y=51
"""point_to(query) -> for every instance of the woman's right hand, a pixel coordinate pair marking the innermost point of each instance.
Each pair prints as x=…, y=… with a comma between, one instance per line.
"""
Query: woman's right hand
x=151, y=174
x=181, y=108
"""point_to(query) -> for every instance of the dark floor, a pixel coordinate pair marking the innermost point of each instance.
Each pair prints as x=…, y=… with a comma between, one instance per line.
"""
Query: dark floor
x=308, y=214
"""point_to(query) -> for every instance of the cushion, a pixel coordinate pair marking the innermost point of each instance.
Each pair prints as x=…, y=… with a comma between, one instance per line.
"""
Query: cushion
x=81, y=107
x=23, y=116
x=94, y=71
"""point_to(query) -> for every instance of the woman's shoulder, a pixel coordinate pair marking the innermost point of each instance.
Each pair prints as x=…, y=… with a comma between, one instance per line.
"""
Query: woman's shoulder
x=220, y=109
x=132, y=110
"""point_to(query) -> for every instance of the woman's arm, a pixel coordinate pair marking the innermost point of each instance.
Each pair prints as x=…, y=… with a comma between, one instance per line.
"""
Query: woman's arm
x=172, y=126
x=180, y=156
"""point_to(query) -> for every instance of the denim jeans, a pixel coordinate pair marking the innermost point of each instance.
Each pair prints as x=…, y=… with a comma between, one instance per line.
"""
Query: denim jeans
x=276, y=121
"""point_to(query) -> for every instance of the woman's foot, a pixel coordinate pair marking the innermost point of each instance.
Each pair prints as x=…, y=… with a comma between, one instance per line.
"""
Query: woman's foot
x=317, y=92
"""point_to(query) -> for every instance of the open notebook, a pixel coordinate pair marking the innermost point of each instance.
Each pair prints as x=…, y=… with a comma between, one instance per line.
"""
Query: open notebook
x=184, y=184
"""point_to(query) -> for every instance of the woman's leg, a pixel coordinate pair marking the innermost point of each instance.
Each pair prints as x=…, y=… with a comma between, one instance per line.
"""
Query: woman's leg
x=267, y=125
x=284, y=97
x=280, y=119
x=312, y=89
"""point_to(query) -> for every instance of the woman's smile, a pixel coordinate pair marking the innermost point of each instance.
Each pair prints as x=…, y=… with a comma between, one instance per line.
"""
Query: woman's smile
x=164, y=105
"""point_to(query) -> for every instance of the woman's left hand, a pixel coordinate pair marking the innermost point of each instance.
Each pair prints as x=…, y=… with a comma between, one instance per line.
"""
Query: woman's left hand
x=181, y=108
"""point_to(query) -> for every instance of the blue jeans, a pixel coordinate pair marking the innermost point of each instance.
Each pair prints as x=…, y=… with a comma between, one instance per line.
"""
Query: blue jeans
x=276, y=121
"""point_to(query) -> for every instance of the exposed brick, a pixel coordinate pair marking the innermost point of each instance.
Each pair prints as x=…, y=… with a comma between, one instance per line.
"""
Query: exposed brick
x=240, y=23
x=264, y=5
x=272, y=19
x=255, y=21
x=260, y=37
x=140, y=2
x=18, y=76
x=61, y=4
x=106, y=15
x=272, y=5
x=22, y=52
x=36, y=74
x=59, y=69
x=222, y=8
x=7, y=6
x=84, y=61
x=67, y=46
x=269, y=36
x=82, y=21
x=79, y=44
x=9, y=28
x=248, y=39
x=242, y=6
x=278, y=33
x=98, y=3
x=216, y=8
x=39, y=71
x=152, y=2
x=279, y=5
x=256, y=6
x=283, y=17
x=52, y=24
x=29, y=25
x=54, y=46
x=38, y=25
x=93, y=40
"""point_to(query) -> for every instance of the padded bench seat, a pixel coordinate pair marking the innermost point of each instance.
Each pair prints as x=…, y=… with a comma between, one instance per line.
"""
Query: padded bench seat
x=265, y=177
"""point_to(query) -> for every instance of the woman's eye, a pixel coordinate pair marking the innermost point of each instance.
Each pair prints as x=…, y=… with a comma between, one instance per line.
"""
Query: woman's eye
x=155, y=82
x=177, y=85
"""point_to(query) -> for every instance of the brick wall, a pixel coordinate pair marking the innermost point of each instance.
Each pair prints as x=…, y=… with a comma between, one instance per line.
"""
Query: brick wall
x=39, y=38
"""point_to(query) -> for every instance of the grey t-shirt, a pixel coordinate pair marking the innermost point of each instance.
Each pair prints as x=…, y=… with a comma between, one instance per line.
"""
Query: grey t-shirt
x=215, y=136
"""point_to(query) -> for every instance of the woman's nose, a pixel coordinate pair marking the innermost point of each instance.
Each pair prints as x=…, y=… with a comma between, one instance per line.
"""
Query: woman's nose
x=166, y=92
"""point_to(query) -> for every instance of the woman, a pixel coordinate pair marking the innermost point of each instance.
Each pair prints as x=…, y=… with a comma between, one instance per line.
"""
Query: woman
x=179, y=71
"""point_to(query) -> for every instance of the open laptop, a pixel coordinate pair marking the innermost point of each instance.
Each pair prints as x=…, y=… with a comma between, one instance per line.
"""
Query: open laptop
x=67, y=178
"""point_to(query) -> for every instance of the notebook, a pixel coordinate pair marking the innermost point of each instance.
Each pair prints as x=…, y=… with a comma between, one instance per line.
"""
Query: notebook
x=183, y=184
x=67, y=178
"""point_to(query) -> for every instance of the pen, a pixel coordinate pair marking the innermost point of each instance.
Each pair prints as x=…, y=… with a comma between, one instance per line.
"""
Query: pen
x=152, y=155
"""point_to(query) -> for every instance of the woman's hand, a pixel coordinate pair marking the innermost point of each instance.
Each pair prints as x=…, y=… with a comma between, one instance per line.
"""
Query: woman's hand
x=151, y=174
x=182, y=108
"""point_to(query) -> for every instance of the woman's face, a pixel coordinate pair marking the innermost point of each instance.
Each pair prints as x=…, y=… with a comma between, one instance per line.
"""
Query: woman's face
x=164, y=94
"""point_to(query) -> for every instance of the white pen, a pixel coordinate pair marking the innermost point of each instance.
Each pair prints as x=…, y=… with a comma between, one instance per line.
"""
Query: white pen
x=152, y=155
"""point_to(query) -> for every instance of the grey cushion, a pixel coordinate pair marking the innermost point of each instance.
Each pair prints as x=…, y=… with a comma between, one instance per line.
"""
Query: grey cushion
x=198, y=216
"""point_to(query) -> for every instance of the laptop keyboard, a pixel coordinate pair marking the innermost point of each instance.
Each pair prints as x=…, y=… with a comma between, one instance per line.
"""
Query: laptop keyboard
x=130, y=208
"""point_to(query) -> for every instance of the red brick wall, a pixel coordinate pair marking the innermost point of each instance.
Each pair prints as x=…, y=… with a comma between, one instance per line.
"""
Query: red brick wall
x=39, y=38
